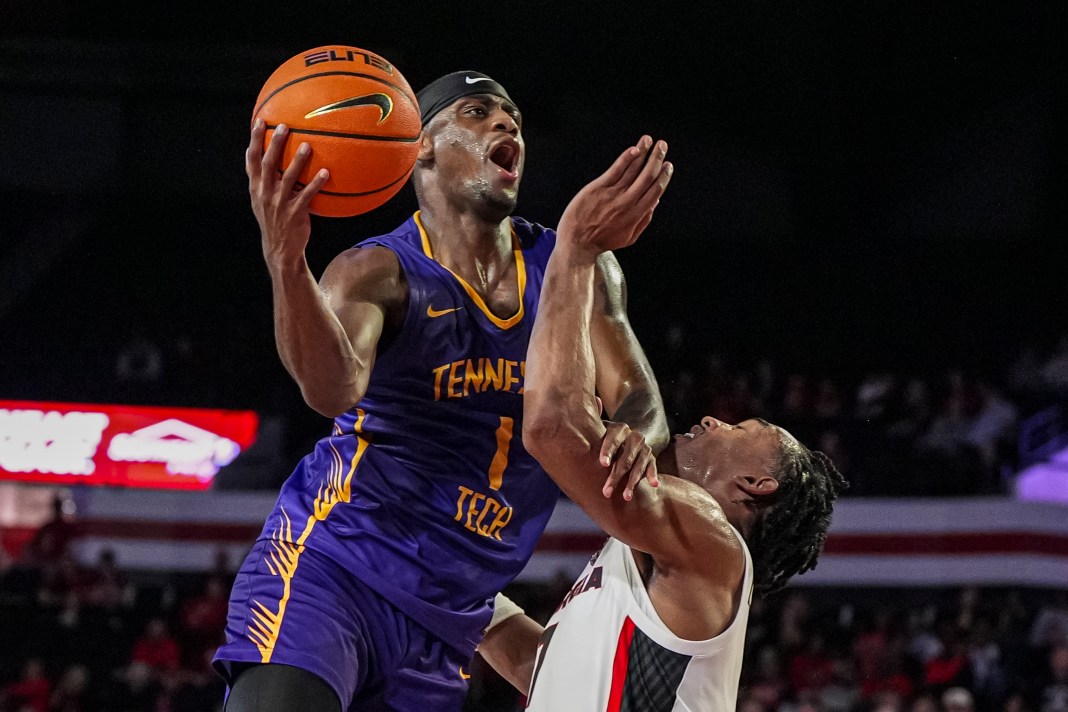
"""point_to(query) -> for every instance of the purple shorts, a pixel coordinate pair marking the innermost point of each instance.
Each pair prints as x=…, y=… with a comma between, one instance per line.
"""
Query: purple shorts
x=302, y=609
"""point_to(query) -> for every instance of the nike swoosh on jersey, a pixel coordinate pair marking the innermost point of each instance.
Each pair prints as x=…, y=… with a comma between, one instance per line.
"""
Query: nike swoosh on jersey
x=433, y=313
x=382, y=101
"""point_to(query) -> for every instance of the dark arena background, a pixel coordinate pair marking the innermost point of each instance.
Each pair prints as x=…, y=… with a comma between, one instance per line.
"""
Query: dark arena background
x=863, y=242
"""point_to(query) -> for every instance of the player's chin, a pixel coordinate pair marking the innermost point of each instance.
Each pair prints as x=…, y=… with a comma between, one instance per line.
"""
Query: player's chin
x=501, y=200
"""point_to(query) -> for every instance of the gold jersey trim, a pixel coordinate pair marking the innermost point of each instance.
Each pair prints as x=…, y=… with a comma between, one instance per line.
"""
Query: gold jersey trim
x=521, y=278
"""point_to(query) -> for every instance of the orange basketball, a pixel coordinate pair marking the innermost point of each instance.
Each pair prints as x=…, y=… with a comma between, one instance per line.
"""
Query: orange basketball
x=358, y=114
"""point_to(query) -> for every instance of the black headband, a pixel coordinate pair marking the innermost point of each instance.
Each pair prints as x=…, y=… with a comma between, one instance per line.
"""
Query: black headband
x=439, y=93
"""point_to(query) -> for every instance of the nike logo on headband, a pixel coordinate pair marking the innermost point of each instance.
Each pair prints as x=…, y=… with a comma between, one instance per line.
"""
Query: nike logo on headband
x=472, y=80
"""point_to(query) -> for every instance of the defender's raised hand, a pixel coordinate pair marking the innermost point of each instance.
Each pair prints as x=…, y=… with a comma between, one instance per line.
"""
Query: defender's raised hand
x=281, y=208
x=630, y=459
x=612, y=210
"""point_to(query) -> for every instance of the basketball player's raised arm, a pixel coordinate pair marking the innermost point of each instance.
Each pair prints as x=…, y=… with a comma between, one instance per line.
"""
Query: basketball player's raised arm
x=625, y=383
x=326, y=336
x=561, y=418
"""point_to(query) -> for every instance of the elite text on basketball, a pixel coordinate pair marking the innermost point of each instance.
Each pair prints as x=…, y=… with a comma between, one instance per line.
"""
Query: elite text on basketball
x=347, y=55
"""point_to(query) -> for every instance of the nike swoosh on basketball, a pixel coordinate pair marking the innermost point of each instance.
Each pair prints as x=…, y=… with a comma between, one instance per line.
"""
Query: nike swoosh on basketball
x=433, y=313
x=472, y=80
x=382, y=101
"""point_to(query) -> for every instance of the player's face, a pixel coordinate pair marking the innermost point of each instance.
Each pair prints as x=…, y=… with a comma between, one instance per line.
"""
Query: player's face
x=479, y=150
x=729, y=461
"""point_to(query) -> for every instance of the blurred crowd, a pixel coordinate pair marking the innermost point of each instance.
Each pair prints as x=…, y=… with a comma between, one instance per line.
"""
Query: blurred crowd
x=940, y=431
x=880, y=650
x=98, y=638
x=89, y=638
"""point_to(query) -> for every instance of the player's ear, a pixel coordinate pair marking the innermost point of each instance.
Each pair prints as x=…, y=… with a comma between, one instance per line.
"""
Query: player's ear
x=758, y=486
x=426, y=146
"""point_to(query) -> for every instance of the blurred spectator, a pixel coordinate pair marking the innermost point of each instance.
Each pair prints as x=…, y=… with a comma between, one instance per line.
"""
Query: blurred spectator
x=991, y=428
x=957, y=699
x=948, y=430
x=748, y=703
x=139, y=362
x=874, y=395
x=156, y=648
x=923, y=643
x=1053, y=689
x=812, y=668
x=842, y=693
x=1016, y=702
x=1050, y=626
x=105, y=586
x=204, y=616
x=51, y=542
x=833, y=445
x=796, y=413
x=1024, y=377
x=951, y=667
x=769, y=686
x=135, y=688
x=32, y=692
x=61, y=584
x=925, y=702
x=199, y=689
x=988, y=675
x=72, y=693
x=221, y=566
x=913, y=417
x=829, y=406
x=888, y=701
x=889, y=676
x=794, y=621
x=1055, y=370
x=870, y=643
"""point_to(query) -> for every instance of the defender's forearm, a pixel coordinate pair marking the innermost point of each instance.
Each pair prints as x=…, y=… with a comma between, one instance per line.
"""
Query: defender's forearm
x=560, y=410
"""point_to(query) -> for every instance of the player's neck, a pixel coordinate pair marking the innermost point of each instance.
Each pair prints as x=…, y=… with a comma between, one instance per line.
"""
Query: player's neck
x=461, y=240
x=665, y=461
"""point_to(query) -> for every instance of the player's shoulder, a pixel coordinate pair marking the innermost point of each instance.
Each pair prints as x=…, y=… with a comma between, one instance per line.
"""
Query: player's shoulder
x=533, y=235
x=369, y=271
x=374, y=258
x=405, y=236
x=711, y=545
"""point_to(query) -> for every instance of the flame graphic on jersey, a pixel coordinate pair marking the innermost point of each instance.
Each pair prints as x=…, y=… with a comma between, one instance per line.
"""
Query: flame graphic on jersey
x=285, y=552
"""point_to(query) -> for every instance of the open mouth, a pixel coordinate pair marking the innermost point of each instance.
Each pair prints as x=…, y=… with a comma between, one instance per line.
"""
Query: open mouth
x=505, y=156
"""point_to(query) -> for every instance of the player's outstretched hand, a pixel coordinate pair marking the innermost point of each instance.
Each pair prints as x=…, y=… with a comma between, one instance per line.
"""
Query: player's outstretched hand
x=281, y=208
x=630, y=458
x=613, y=209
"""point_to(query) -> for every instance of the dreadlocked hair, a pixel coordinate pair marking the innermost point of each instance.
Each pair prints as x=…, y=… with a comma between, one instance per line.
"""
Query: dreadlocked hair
x=788, y=534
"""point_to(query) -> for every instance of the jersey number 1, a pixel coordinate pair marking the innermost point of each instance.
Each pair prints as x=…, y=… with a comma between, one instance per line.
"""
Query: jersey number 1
x=500, y=458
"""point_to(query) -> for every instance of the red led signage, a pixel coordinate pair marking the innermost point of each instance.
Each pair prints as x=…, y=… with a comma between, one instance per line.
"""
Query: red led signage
x=120, y=445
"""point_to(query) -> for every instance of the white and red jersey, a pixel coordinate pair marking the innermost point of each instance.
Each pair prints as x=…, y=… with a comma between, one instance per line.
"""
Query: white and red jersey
x=605, y=649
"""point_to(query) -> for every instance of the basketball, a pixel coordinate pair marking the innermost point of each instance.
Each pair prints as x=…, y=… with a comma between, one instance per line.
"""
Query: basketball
x=358, y=114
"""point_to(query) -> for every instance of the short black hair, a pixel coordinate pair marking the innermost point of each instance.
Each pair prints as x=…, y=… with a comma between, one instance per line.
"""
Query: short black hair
x=788, y=534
